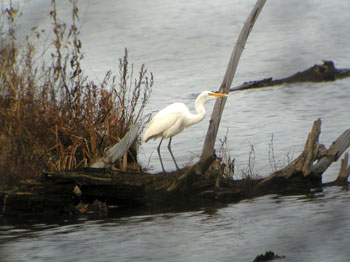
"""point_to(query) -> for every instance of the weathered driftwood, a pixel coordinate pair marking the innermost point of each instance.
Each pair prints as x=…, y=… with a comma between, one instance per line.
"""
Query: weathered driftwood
x=331, y=155
x=113, y=154
x=303, y=170
x=344, y=171
x=317, y=73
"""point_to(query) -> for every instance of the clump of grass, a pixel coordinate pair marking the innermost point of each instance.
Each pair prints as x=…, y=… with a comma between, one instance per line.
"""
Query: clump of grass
x=51, y=116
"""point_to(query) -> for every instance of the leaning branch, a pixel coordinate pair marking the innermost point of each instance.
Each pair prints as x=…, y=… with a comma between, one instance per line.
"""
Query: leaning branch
x=208, y=148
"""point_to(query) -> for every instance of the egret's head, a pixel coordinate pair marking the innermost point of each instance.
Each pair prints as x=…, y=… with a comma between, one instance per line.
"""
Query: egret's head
x=208, y=95
x=216, y=94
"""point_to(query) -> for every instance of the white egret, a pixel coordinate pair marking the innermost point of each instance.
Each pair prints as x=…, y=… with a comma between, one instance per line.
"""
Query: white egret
x=174, y=118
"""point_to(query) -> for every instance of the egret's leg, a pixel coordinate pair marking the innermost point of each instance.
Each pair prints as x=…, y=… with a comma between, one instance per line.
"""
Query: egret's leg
x=160, y=158
x=171, y=153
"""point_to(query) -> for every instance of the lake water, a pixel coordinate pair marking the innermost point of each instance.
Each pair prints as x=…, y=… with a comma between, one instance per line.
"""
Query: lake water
x=310, y=228
x=187, y=45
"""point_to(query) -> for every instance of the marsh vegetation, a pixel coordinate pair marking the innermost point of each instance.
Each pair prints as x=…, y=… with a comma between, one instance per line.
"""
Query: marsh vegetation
x=52, y=117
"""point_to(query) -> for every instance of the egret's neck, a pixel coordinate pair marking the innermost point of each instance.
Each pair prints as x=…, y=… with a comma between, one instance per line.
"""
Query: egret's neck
x=195, y=118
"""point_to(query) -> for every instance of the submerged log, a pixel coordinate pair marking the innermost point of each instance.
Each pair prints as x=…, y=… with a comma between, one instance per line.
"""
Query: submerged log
x=317, y=73
x=268, y=256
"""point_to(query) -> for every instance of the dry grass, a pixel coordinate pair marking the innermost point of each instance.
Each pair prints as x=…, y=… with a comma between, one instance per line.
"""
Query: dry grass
x=51, y=116
x=249, y=173
x=278, y=164
x=227, y=163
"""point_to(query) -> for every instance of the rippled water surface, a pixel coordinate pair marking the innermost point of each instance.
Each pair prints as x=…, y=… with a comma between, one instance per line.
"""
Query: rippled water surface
x=310, y=228
x=187, y=44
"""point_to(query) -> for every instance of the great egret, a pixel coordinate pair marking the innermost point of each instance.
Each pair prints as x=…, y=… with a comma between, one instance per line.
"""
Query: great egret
x=174, y=118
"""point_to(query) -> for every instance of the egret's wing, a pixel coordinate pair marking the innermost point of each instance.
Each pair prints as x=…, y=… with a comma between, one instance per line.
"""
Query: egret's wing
x=160, y=124
x=171, y=109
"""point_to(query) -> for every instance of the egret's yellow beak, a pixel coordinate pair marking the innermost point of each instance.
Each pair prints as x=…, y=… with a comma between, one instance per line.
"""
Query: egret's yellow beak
x=218, y=94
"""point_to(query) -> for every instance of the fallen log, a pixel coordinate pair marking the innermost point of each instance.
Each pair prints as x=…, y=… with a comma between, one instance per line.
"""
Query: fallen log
x=61, y=193
x=102, y=191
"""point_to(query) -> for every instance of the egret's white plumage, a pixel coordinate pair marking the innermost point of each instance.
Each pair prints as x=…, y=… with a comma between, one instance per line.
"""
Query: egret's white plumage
x=174, y=118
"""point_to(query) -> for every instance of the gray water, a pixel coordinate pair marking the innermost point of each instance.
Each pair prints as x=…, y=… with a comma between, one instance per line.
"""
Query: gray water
x=301, y=228
x=187, y=44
